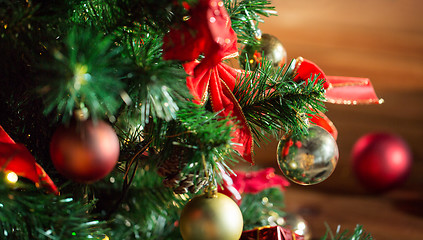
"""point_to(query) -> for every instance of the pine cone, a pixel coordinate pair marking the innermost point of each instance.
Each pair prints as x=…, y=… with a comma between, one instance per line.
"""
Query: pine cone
x=171, y=170
x=174, y=164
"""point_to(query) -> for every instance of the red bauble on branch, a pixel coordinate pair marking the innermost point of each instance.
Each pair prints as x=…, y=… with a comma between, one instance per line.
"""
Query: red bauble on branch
x=85, y=151
x=381, y=161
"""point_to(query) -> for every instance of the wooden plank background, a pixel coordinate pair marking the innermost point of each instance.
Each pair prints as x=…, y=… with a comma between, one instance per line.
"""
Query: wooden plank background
x=382, y=40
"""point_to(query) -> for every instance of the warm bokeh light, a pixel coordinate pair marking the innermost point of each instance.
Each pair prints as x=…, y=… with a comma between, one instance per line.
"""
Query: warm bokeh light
x=12, y=177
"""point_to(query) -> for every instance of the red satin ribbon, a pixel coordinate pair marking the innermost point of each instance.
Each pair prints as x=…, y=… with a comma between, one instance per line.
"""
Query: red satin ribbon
x=320, y=119
x=15, y=157
x=208, y=31
x=351, y=90
x=339, y=90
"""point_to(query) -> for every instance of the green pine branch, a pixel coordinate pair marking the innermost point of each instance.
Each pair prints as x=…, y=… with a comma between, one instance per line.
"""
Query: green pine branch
x=205, y=139
x=246, y=15
x=272, y=103
x=85, y=73
x=157, y=88
x=110, y=15
x=357, y=234
x=26, y=213
x=148, y=210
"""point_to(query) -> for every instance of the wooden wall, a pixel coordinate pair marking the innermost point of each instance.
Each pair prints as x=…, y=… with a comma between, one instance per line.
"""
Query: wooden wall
x=382, y=40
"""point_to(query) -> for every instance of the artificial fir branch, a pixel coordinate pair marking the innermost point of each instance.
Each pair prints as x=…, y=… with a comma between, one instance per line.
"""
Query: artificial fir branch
x=157, y=87
x=358, y=234
x=85, y=75
x=27, y=213
x=272, y=102
x=147, y=207
x=245, y=16
x=110, y=15
x=206, y=138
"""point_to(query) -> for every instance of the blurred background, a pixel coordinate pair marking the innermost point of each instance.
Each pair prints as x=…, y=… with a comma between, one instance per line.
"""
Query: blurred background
x=381, y=40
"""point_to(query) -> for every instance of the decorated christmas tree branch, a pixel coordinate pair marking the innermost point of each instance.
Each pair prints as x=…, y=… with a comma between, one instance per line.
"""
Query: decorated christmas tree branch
x=111, y=17
x=272, y=102
x=156, y=69
x=245, y=16
x=157, y=87
x=192, y=148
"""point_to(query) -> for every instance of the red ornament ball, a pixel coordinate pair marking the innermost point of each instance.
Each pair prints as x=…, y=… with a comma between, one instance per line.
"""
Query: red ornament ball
x=85, y=151
x=381, y=161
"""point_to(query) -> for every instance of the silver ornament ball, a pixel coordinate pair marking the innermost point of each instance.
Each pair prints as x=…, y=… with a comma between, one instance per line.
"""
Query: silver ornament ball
x=308, y=159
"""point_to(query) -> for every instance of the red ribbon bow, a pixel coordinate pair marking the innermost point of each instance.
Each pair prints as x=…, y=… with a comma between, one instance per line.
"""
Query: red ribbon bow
x=339, y=90
x=15, y=157
x=208, y=31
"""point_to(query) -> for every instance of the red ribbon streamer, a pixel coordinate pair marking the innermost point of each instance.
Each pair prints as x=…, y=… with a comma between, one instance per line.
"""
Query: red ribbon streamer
x=208, y=31
x=15, y=157
x=339, y=90
x=351, y=90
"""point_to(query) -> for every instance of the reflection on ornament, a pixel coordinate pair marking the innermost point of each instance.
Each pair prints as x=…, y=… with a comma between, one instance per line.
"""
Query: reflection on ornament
x=211, y=217
x=308, y=159
x=297, y=224
x=269, y=48
x=12, y=177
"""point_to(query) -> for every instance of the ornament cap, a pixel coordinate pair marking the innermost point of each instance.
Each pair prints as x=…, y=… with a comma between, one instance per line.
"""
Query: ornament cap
x=211, y=194
x=81, y=114
x=211, y=191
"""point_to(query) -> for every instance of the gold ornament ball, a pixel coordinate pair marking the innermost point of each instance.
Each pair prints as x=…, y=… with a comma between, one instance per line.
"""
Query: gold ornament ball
x=211, y=218
x=308, y=159
x=269, y=48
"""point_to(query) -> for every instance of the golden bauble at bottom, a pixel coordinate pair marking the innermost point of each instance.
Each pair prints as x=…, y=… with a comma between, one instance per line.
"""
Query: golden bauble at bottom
x=211, y=218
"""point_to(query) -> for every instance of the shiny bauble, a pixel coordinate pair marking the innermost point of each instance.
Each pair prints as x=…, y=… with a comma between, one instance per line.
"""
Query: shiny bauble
x=211, y=218
x=269, y=48
x=381, y=161
x=308, y=159
x=84, y=151
x=296, y=224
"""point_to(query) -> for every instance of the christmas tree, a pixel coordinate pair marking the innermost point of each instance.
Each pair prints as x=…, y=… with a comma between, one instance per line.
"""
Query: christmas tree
x=127, y=119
